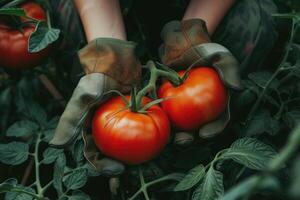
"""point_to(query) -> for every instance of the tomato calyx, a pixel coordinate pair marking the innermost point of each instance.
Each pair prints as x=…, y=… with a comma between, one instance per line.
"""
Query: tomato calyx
x=135, y=104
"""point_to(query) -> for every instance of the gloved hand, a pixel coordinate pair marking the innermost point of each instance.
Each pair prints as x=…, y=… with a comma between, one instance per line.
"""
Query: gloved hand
x=109, y=64
x=187, y=43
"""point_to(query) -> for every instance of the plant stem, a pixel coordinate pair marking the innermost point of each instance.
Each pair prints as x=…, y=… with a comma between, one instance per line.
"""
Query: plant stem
x=278, y=162
x=151, y=86
x=26, y=192
x=289, y=149
x=48, y=185
x=278, y=70
x=37, y=166
x=48, y=20
x=144, y=185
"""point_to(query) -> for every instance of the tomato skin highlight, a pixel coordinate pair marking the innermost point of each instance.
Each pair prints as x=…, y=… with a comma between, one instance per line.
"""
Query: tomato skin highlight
x=14, y=52
x=200, y=99
x=130, y=137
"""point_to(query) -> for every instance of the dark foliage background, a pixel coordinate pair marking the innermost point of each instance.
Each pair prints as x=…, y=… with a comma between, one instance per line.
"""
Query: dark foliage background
x=267, y=109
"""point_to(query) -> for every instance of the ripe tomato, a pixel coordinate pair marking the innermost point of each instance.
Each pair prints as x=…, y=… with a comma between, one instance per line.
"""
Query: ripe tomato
x=200, y=99
x=129, y=136
x=14, y=42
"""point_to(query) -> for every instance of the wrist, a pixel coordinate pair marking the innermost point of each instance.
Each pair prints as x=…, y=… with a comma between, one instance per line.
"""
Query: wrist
x=101, y=18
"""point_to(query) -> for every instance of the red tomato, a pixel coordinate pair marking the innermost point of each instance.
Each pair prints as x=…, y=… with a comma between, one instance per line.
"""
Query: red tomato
x=200, y=99
x=14, y=42
x=129, y=136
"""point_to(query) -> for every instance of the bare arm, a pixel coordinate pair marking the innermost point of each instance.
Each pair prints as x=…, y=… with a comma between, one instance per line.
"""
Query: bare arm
x=211, y=11
x=101, y=18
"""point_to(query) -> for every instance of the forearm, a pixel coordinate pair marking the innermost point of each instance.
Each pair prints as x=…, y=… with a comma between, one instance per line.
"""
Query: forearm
x=101, y=18
x=211, y=11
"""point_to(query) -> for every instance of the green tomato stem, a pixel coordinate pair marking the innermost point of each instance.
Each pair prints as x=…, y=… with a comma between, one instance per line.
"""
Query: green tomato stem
x=144, y=185
x=278, y=70
x=151, y=86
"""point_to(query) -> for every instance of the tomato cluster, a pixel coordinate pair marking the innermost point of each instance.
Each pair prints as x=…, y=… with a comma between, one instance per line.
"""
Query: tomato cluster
x=14, y=39
x=134, y=137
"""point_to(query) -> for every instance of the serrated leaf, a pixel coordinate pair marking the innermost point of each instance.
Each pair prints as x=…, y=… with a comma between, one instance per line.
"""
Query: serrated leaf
x=22, y=128
x=79, y=195
x=8, y=185
x=38, y=113
x=14, y=191
x=191, y=179
x=76, y=179
x=17, y=194
x=211, y=187
x=258, y=124
x=42, y=37
x=58, y=172
x=251, y=153
x=77, y=150
x=13, y=12
x=51, y=154
x=14, y=153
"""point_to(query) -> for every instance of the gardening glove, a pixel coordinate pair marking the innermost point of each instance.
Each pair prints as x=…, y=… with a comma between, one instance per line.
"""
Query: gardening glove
x=187, y=44
x=109, y=64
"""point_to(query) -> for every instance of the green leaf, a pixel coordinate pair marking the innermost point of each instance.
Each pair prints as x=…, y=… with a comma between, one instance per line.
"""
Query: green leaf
x=241, y=189
x=79, y=195
x=22, y=128
x=14, y=153
x=58, y=172
x=42, y=37
x=191, y=179
x=50, y=128
x=51, y=154
x=11, y=3
x=7, y=185
x=18, y=193
x=251, y=184
x=273, y=126
x=211, y=187
x=77, y=150
x=291, y=118
x=13, y=12
x=245, y=98
x=48, y=135
x=14, y=191
x=251, y=153
x=261, y=123
x=91, y=170
x=262, y=77
x=76, y=179
x=52, y=124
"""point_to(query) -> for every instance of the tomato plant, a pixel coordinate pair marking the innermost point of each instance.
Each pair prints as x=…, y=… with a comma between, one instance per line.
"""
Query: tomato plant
x=14, y=38
x=128, y=136
x=257, y=159
x=201, y=98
